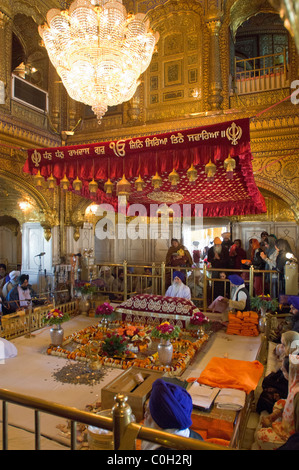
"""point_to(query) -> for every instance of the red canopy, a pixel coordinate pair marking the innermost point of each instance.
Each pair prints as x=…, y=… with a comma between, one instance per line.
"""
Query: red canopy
x=162, y=153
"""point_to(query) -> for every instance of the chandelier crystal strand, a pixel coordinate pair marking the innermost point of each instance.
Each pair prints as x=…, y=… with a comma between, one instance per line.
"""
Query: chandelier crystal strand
x=99, y=51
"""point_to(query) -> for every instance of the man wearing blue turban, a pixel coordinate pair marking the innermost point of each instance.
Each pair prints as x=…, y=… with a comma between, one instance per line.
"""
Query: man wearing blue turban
x=293, y=301
x=170, y=408
x=240, y=299
x=178, y=288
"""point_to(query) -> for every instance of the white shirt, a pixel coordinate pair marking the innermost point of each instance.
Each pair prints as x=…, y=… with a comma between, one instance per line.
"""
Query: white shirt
x=181, y=291
x=239, y=304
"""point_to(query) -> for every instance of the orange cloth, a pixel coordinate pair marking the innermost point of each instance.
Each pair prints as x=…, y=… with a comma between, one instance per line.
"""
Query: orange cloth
x=231, y=373
x=242, y=323
x=210, y=428
x=218, y=442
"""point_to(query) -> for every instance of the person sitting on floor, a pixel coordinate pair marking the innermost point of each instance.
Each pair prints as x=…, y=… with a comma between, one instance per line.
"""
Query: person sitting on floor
x=290, y=323
x=276, y=428
x=21, y=295
x=293, y=301
x=11, y=283
x=178, y=288
x=289, y=342
x=275, y=386
x=170, y=408
x=3, y=276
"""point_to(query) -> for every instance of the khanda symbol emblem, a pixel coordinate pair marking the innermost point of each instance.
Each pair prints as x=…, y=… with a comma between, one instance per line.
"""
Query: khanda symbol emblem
x=36, y=157
x=234, y=133
x=118, y=148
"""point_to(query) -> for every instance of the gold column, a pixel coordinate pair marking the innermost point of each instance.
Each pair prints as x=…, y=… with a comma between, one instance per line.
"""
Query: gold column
x=5, y=56
x=54, y=99
x=215, y=82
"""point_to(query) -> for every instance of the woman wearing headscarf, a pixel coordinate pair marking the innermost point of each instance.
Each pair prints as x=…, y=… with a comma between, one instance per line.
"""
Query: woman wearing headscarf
x=178, y=255
x=170, y=408
x=259, y=265
x=289, y=343
x=283, y=422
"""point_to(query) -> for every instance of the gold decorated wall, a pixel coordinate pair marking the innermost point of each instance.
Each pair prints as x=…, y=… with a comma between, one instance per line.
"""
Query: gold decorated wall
x=189, y=83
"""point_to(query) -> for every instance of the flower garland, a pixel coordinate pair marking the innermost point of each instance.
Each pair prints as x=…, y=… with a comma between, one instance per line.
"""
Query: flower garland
x=184, y=351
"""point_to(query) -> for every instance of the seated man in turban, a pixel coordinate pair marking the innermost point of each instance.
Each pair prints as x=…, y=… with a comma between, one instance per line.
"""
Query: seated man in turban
x=170, y=408
x=11, y=283
x=240, y=299
x=21, y=295
x=178, y=288
x=293, y=301
x=290, y=323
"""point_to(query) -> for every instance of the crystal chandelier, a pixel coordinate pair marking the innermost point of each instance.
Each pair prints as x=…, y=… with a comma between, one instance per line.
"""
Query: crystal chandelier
x=98, y=51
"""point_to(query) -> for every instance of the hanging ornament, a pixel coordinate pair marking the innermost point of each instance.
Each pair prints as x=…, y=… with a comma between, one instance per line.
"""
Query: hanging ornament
x=93, y=187
x=210, y=170
x=38, y=178
x=77, y=185
x=123, y=187
x=108, y=187
x=192, y=174
x=157, y=181
x=64, y=183
x=51, y=182
x=229, y=165
x=174, y=178
x=139, y=184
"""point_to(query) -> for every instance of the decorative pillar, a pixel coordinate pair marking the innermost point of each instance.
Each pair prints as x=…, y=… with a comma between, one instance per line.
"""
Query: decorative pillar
x=215, y=82
x=54, y=99
x=5, y=57
x=134, y=106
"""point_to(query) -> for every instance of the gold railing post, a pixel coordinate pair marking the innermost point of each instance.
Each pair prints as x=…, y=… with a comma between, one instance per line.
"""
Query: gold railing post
x=122, y=417
x=205, y=290
x=4, y=425
x=154, y=279
x=37, y=429
x=125, y=266
x=163, y=278
x=73, y=435
x=251, y=276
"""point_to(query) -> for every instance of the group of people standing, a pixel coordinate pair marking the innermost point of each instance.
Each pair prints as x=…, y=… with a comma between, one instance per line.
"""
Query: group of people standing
x=266, y=254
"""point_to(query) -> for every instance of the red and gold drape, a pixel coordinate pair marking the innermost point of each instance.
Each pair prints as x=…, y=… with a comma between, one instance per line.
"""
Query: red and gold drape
x=162, y=153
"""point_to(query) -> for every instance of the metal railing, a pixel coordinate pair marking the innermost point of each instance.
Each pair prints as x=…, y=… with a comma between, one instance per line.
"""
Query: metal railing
x=201, y=280
x=261, y=73
x=25, y=321
x=125, y=432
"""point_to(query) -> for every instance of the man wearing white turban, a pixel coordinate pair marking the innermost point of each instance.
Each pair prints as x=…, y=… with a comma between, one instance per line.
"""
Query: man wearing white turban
x=13, y=281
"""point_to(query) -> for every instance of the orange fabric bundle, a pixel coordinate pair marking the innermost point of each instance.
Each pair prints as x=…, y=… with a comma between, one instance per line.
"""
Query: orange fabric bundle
x=232, y=373
x=212, y=428
x=242, y=323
